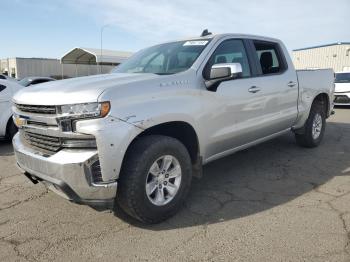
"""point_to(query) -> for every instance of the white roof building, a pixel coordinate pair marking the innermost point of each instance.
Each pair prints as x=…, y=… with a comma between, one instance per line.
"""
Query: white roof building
x=76, y=62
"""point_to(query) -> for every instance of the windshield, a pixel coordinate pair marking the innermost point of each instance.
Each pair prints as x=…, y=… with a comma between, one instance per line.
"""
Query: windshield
x=342, y=78
x=164, y=59
x=25, y=81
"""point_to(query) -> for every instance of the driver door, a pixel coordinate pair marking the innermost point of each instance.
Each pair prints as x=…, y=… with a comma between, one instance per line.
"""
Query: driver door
x=238, y=104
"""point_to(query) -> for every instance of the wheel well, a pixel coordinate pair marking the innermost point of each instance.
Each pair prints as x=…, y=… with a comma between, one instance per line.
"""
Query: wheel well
x=324, y=100
x=182, y=131
x=8, y=125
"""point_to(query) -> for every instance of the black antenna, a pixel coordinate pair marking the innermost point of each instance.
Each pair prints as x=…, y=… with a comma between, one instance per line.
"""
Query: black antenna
x=206, y=32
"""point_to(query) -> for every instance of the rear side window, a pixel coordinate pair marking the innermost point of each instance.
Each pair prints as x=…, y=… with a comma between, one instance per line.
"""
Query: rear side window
x=269, y=57
x=2, y=87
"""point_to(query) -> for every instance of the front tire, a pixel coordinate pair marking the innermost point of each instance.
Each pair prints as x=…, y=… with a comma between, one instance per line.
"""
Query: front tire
x=155, y=178
x=314, y=127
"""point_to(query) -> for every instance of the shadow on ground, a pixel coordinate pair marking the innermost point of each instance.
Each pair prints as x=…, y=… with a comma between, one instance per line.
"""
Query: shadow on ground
x=260, y=178
x=256, y=179
x=6, y=148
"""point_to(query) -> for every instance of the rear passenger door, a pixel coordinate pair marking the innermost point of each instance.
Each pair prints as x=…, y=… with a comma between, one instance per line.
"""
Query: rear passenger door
x=278, y=84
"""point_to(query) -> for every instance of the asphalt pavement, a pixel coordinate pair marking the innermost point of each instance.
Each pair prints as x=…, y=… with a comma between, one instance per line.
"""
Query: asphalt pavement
x=273, y=202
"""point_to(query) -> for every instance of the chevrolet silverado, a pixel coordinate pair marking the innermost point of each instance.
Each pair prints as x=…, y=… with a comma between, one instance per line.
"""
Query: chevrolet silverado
x=136, y=136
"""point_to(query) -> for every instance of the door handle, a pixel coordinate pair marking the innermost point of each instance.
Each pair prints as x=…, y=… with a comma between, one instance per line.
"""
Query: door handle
x=254, y=89
x=291, y=84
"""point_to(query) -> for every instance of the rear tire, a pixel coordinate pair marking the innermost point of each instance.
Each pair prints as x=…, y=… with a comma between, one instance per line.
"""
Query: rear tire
x=153, y=168
x=314, y=127
x=11, y=129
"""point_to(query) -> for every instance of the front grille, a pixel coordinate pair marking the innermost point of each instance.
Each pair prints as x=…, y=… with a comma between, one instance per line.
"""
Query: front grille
x=50, y=143
x=36, y=123
x=37, y=109
x=342, y=99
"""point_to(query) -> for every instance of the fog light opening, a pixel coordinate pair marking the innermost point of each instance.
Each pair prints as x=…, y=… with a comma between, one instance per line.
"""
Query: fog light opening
x=96, y=173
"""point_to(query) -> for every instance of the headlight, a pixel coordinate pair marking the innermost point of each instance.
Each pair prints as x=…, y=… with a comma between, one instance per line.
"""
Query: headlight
x=86, y=110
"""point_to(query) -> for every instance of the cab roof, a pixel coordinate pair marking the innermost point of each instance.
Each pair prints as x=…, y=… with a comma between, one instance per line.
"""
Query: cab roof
x=233, y=35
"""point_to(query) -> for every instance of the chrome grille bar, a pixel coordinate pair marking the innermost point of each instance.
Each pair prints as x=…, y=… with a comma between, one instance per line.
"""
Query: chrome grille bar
x=42, y=141
x=53, y=143
x=40, y=109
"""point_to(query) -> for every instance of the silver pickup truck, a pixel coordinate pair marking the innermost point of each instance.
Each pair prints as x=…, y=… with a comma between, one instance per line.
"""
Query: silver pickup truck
x=136, y=136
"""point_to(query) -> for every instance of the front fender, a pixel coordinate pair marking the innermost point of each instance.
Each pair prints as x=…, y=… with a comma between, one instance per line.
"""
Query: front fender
x=113, y=138
x=145, y=111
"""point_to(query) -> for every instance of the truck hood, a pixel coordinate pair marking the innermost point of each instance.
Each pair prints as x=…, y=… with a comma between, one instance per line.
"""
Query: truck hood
x=76, y=90
x=342, y=87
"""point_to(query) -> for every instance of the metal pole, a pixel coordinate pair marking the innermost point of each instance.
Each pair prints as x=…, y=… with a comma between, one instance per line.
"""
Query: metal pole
x=101, y=56
x=8, y=66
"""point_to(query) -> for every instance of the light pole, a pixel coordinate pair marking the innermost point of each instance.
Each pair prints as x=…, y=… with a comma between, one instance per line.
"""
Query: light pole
x=101, y=56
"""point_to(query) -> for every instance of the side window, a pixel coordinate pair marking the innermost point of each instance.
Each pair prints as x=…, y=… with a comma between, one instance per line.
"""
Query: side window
x=269, y=57
x=229, y=51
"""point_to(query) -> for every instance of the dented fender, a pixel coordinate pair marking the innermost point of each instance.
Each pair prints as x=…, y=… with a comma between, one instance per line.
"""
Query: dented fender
x=113, y=136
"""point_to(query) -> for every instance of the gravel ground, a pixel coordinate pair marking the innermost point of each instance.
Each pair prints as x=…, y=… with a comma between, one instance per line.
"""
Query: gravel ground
x=272, y=202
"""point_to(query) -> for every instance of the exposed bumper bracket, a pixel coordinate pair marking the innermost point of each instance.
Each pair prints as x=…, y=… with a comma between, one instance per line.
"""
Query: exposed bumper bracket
x=34, y=180
x=72, y=196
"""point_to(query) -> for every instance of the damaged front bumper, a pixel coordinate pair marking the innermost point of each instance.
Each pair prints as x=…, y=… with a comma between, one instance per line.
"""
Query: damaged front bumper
x=68, y=173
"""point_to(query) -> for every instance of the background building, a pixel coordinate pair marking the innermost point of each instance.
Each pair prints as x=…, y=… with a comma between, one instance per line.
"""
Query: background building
x=76, y=62
x=336, y=56
x=19, y=67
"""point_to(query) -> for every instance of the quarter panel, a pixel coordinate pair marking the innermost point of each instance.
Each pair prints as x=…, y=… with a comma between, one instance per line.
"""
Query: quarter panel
x=311, y=84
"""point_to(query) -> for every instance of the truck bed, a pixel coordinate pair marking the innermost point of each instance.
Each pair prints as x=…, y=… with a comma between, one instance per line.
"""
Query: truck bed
x=324, y=78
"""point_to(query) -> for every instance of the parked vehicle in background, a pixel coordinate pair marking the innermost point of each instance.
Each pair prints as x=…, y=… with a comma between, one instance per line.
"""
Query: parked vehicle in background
x=7, y=89
x=33, y=80
x=5, y=77
x=342, y=89
x=139, y=134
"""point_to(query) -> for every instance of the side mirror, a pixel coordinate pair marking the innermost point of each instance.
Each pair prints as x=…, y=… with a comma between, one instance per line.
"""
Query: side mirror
x=222, y=72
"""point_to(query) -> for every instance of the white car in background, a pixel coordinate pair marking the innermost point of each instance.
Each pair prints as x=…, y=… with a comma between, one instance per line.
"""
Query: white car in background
x=5, y=77
x=7, y=89
x=342, y=89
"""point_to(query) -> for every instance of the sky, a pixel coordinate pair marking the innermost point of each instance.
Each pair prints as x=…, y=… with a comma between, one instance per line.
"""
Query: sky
x=50, y=28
